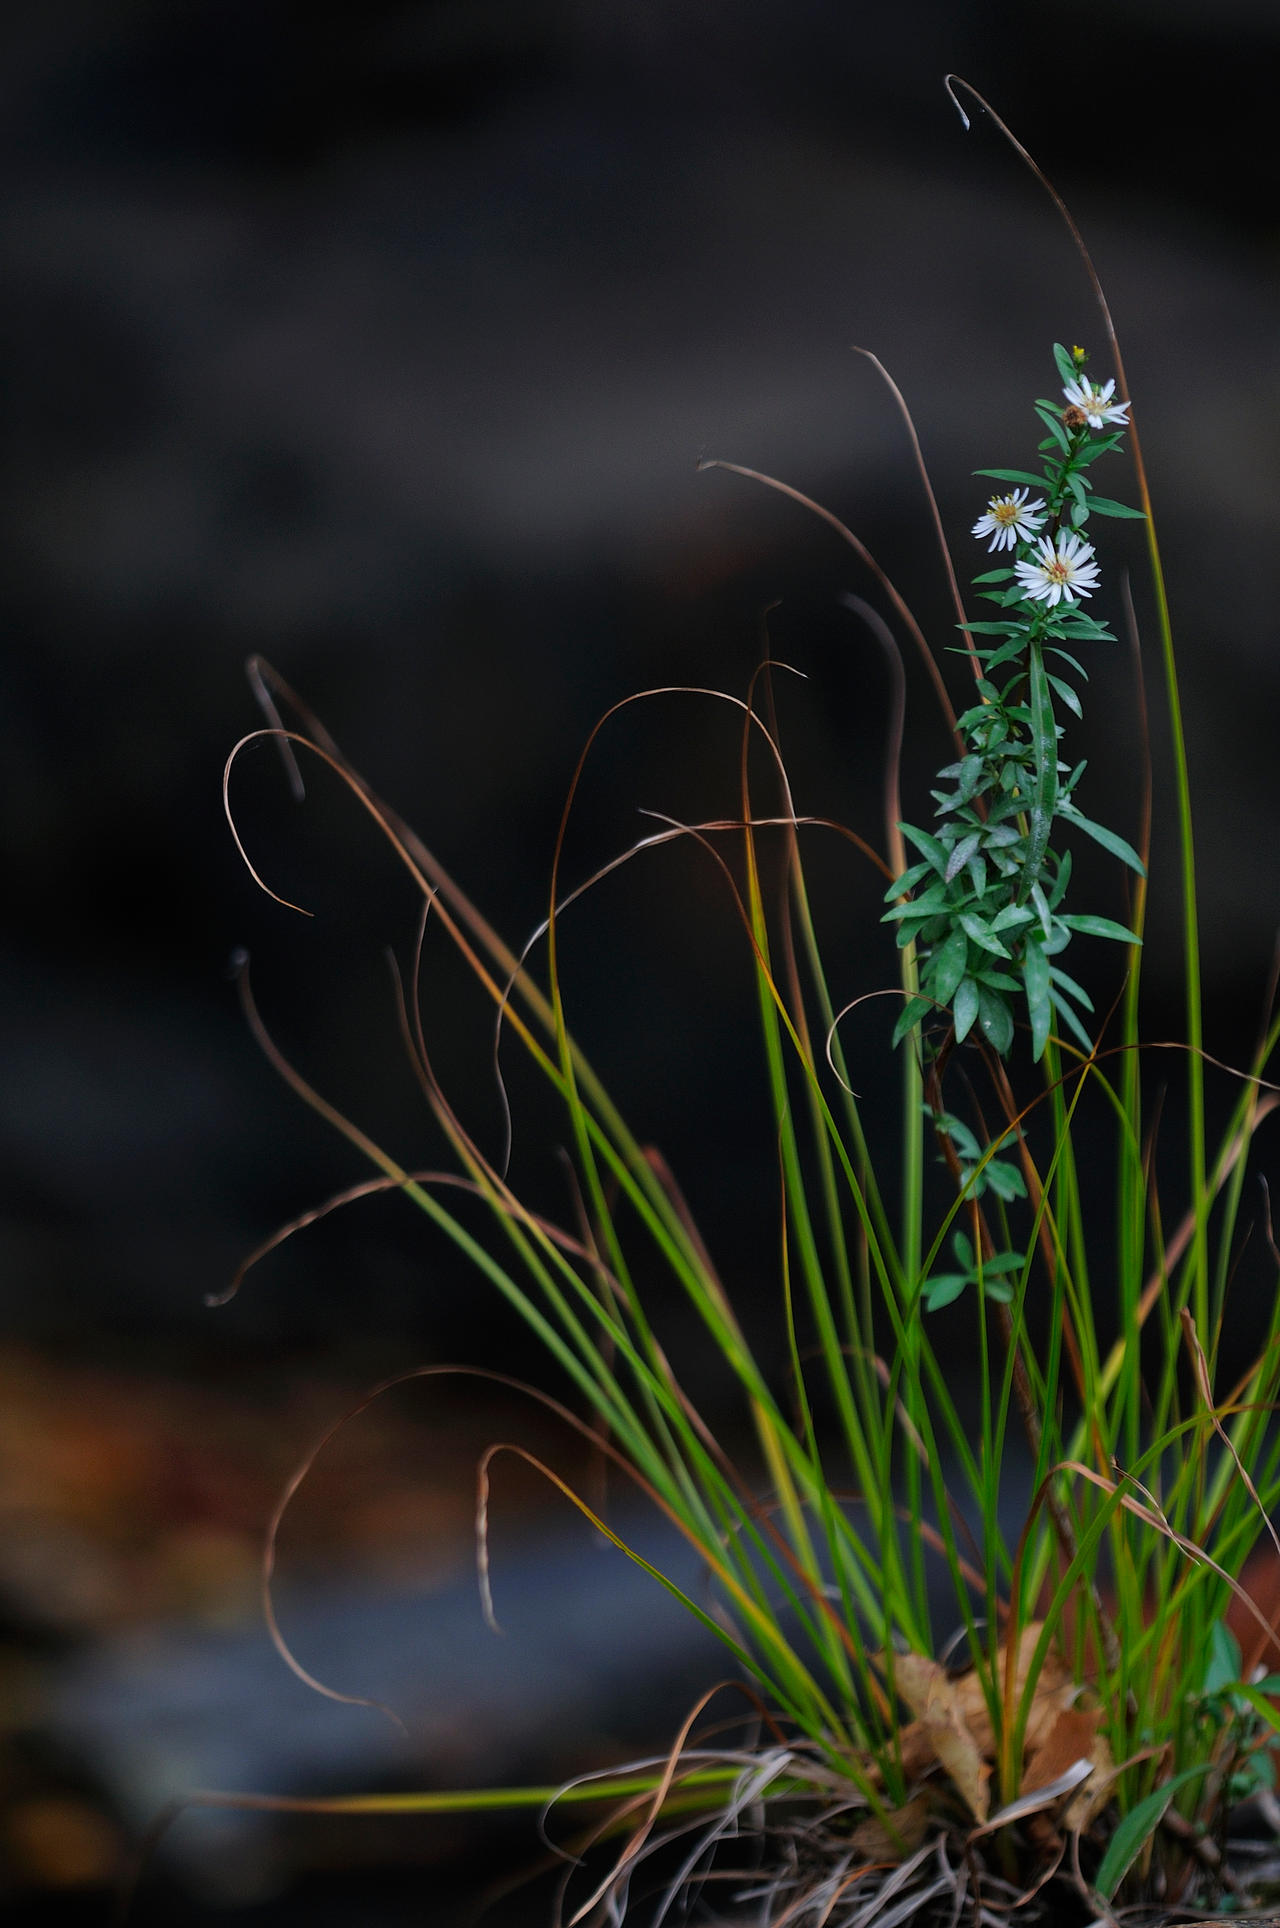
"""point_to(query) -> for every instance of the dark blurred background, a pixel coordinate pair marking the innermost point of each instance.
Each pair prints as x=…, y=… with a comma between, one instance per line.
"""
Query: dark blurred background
x=384, y=341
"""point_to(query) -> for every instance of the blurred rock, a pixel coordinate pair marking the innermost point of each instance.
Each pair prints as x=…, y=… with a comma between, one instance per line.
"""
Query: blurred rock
x=593, y=1662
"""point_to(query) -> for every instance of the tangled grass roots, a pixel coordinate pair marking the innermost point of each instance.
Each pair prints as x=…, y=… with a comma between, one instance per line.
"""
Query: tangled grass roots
x=819, y=1885
x=807, y=1873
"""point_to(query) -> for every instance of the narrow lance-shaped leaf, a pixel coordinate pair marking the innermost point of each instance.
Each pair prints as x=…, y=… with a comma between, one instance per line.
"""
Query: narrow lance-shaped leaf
x=1035, y=978
x=1103, y=505
x=1026, y=476
x=912, y=1012
x=966, y=1008
x=962, y=853
x=975, y=928
x=949, y=966
x=1107, y=838
x=1068, y=695
x=995, y=1020
x=1134, y=1829
x=1091, y=926
x=1065, y=363
x=1044, y=798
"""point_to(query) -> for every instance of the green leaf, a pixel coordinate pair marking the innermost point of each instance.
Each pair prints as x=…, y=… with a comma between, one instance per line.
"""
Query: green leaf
x=1049, y=416
x=1065, y=363
x=1044, y=799
x=995, y=1019
x=1005, y=1180
x=956, y=1130
x=1035, y=980
x=1103, y=505
x=1024, y=476
x=1009, y=652
x=965, y=1008
x=1137, y=1827
x=1107, y=838
x=949, y=966
x=970, y=775
x=1011, y=914
x=1222, y=1663
x=996, y=980
x=1090, y=926
x=1068, y=695
x=1098, y=445
x=927, y=846
x=977, y=930
x=929, y=901
x=1073, y=1024
x=962, y=853
x=1069, y=987
x=941, y=1291
x=1004, y=1262
x=962, y=1246
x=911, y=1014
x=1079, y=627
x=1259, y=1696
x=1005, y=809
x=908, y=881
x=1058, y=889
x=1001, y=835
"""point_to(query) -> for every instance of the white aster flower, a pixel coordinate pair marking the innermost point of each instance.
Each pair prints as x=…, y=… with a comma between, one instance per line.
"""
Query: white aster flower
x=1007, y=518
x=1095, y=403
x=1062, y=572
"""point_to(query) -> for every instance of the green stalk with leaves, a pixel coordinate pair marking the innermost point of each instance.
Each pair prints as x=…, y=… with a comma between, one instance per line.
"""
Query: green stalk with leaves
x=983, y=907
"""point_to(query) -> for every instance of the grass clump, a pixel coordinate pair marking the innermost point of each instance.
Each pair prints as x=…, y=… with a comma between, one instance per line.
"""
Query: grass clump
x=1072, y=1731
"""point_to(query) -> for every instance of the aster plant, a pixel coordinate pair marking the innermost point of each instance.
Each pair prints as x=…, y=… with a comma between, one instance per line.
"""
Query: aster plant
x=984, y=905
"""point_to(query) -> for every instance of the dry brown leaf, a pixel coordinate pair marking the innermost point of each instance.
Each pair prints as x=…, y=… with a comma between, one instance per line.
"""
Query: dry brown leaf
x=1054, y=1691
x=940, y=1728
x=1085, y=1805
x=1072, y=1737
x=1059, y=1733
x=917, y=1678
x=952, y=1729
x=905, y=1832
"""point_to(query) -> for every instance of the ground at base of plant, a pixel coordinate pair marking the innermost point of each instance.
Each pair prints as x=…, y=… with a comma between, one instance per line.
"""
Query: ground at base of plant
x=797, y=1863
